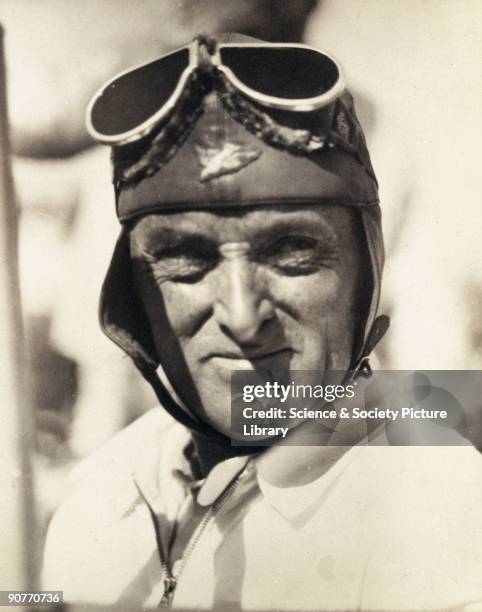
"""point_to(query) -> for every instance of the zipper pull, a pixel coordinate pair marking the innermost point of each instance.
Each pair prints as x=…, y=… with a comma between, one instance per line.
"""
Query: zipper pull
x=169, y=587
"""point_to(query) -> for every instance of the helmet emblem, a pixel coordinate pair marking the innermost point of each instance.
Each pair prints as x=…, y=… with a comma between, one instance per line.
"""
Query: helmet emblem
x=227, y=159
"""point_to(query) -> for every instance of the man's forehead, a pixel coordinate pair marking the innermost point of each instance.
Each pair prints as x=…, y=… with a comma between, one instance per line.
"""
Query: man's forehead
x=327, y=221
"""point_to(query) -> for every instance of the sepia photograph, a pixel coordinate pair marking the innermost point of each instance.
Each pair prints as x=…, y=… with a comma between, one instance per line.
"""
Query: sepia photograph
x=241, y=297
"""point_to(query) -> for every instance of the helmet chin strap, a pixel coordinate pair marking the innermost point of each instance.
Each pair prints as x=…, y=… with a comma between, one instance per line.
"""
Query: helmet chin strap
x=361, y=367
x=170, y=401
x=182, y=415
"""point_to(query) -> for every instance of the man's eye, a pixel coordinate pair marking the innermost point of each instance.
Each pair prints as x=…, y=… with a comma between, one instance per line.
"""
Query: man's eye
x=295, y=255
x=182, y=265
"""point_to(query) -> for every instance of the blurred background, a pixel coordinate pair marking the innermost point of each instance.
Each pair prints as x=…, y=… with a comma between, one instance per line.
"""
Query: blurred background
x=415, y=70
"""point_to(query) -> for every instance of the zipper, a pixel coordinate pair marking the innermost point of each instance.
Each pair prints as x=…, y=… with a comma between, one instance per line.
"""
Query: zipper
x=171, y=579
x=170, y=584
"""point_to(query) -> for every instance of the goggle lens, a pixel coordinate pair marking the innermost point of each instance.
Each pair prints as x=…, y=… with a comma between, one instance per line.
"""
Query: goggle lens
x=136, y=96
x=281, y=72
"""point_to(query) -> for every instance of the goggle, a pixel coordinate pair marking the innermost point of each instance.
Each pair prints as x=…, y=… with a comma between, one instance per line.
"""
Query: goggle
x=283, y=76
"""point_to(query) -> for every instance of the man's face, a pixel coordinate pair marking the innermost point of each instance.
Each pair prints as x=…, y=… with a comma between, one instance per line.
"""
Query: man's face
x=266, y=288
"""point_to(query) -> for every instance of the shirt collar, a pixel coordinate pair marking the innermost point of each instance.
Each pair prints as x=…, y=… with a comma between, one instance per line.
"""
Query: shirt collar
x=163, y=472
x=164, y=476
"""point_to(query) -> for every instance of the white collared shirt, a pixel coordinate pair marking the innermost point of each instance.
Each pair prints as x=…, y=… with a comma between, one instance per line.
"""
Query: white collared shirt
x=381, y=528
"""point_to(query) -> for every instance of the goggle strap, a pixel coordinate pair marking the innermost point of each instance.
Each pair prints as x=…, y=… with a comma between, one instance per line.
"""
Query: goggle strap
x=347, y=134
x=262, y=125
x=209, y=42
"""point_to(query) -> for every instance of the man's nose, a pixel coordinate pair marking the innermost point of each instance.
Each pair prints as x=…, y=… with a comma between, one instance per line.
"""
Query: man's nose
x=242, y=304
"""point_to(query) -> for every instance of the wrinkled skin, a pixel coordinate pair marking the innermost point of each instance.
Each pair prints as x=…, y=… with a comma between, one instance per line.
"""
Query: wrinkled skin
x=261, y=288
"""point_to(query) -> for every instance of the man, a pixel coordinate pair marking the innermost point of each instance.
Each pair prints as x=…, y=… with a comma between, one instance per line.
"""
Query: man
x=251, y=240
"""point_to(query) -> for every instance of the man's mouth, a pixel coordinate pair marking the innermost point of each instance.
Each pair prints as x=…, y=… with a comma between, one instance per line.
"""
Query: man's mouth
x=235, y=359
